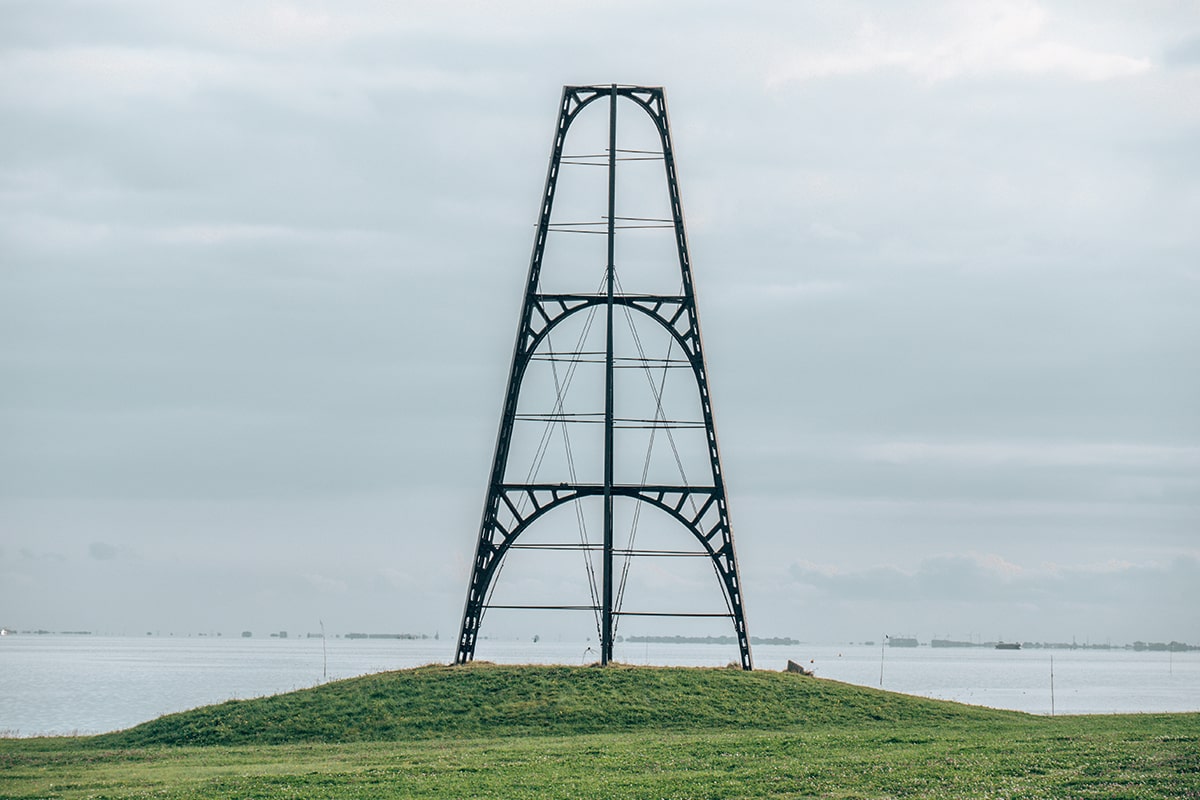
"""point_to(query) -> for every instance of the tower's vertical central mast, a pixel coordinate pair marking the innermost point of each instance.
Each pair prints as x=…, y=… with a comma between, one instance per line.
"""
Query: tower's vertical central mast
x=606, y=619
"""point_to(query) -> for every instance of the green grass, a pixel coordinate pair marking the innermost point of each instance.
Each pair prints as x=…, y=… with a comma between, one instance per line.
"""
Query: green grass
x=490, y=701
x=488, y=731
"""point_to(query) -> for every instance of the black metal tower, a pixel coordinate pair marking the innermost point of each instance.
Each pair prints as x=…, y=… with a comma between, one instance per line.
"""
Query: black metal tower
x=513, y=505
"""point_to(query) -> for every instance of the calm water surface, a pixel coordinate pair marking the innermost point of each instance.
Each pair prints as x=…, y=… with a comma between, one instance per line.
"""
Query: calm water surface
x=92, y=684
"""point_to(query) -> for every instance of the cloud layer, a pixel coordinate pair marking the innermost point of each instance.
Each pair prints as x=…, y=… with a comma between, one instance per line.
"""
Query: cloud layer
x=260, y=268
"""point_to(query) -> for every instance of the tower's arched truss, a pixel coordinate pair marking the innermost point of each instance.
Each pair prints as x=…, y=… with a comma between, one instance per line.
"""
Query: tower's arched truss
x=512, y=506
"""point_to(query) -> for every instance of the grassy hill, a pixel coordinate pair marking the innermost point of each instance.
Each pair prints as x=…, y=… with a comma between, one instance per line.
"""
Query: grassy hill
x=619, y=732
x=498, y=701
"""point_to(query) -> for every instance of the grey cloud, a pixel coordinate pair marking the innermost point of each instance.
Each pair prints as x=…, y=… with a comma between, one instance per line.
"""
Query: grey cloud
x=1184, y=54
x=29, y=554
x=102, y=551
x=955, y=592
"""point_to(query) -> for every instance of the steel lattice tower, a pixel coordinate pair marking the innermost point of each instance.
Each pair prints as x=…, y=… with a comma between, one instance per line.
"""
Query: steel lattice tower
x=512, y=506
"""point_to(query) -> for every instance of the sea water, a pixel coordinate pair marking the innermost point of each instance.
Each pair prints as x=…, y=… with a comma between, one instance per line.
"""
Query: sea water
x=58, y=685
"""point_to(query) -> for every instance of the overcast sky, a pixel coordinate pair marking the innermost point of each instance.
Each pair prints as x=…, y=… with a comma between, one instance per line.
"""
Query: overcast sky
x=261, y=266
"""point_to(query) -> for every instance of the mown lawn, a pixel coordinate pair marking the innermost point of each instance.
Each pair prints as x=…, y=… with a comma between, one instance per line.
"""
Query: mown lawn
x=830, y=740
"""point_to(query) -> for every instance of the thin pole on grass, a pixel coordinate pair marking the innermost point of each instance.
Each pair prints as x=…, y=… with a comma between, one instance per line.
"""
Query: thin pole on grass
x=324, y=657
x=1052, y=686
x=882, y=645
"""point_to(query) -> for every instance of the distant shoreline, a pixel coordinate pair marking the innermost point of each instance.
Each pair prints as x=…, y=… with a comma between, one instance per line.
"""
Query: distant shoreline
x=782, y=641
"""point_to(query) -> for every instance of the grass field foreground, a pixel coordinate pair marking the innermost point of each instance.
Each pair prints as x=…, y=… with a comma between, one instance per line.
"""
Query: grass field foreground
x=559, y=732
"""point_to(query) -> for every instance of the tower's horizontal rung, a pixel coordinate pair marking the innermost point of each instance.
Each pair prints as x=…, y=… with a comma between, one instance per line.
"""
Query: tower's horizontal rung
x=597, y=548
x=725, y=615
x=556, y=229
x=682, y=365
x=558, y=546
x=546, y=608
x=671, y=299
x=624, y=424
x=598, y=358
x=565, y=228
x=660, y=426
x=554, y=415
x=569, y=359
x=582, y=158
x=658, y=423
x=651, y=360
x=598, y=488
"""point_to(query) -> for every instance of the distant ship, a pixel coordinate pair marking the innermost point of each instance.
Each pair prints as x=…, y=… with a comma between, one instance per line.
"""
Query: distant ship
x=901, y=641
x=1008, y=645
